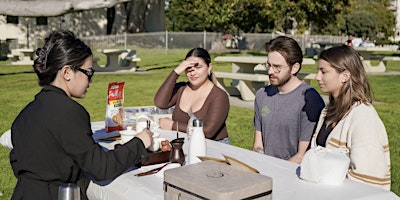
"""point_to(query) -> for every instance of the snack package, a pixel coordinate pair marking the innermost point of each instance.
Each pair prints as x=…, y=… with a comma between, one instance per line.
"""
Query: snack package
x=115, y=106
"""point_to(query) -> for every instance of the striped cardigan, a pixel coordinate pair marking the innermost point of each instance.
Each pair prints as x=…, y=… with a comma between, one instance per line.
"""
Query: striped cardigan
x=364, y=135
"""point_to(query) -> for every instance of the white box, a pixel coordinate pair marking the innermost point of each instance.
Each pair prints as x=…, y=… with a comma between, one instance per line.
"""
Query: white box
x=215, y=180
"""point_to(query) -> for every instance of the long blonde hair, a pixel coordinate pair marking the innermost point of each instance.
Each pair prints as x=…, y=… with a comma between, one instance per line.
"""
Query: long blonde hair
x=355, y=90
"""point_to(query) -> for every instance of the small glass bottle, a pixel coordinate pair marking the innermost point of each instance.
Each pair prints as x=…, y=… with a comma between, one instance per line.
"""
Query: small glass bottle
x=197, y=144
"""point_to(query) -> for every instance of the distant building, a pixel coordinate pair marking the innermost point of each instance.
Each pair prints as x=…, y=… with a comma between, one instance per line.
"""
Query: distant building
x=22, y=32
x=395, y=7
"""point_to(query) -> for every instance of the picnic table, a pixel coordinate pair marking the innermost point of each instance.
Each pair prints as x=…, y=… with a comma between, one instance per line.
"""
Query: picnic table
x=286, y=183
x=249, y=74
x=118, y=60
x=21, y=56
x=366, y=55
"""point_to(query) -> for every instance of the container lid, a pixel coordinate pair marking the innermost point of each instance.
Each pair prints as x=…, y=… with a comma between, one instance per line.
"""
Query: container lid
x=197, y=123
x=215, y=180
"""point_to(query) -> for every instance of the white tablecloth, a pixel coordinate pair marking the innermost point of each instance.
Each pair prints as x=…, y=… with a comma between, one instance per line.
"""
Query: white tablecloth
x=286, y=184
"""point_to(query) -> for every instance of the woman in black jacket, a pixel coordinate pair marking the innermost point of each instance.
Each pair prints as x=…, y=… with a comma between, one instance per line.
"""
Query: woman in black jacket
x=52, y=135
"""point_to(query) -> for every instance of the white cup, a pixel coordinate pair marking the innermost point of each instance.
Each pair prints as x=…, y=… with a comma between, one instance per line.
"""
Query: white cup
x=127, y=135
x=155, y=145
x=141, y=123
x=140, y=126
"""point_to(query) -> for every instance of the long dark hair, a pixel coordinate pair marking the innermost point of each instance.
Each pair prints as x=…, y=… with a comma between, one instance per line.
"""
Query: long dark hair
x=355, y=90
x=61, y=48
x=203, y=54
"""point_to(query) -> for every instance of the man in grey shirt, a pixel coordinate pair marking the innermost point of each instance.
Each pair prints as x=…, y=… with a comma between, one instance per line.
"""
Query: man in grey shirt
x=286, y=111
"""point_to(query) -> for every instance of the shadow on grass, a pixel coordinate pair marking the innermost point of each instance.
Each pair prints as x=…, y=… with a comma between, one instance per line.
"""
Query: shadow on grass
x=257, y=53
x=14, y=73
x=158, y=68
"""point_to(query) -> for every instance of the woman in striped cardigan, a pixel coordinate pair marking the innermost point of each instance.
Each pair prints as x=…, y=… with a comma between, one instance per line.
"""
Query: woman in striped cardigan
x=350, y=120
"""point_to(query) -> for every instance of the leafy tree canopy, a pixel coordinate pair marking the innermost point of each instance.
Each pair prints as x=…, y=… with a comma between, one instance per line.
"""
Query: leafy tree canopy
x=328, y=17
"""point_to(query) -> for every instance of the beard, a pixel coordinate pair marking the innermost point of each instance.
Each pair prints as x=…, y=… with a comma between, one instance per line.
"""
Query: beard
x=281, y=81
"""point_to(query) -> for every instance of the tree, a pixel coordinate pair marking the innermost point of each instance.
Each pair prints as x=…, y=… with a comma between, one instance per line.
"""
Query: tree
x=136, y=11
x=327, y=17
x=362, y=24
x=222, y=15
x=189, y=15
x=131, y=16
x=383, y=19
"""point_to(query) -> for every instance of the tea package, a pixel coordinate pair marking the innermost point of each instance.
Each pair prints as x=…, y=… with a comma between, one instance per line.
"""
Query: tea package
x=115, y=106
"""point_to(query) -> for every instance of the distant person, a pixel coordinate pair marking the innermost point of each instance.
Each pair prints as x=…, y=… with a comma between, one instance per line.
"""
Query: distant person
x=287, y=110
x=52, y=135
x=350, y=120
x=368, y=43
x=355, y=41
x=348, y=43
x=200, y=96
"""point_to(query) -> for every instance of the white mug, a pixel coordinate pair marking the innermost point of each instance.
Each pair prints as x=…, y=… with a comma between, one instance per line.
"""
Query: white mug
x=156, y=145
x=127, y=134
x=141, y=123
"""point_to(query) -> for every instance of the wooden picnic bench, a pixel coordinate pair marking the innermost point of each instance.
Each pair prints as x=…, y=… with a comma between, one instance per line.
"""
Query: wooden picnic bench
x=21, y=56
x=254, y=59
x=250, y=83
x=118, y=60
x=248, y=75
x=390, y=58
x=129, y=59
x=246, y=87
x=367, y=57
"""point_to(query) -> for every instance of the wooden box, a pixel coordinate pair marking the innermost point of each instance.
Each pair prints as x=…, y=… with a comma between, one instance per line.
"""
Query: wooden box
x=215, y=180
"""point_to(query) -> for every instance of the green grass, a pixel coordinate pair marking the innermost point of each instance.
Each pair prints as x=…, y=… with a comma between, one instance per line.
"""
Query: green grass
x=19, y=85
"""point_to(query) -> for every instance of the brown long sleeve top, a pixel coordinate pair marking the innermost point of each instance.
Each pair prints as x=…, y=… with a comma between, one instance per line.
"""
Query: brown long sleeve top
x=213, y=112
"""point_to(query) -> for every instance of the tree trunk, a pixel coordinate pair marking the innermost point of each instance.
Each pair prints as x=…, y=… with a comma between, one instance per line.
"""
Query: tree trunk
x=136, y=16
x=110, y=19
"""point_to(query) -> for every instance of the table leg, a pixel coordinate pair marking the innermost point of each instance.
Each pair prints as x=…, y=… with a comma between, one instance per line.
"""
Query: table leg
x=247, y=89
x=112, y=60
x=381, y=67
x=230, y=90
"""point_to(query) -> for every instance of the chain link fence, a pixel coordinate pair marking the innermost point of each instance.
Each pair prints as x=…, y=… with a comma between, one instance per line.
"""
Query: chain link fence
x=208, y=40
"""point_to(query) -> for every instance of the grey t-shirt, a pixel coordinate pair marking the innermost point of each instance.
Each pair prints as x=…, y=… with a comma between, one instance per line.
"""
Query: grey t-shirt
x=286, y=119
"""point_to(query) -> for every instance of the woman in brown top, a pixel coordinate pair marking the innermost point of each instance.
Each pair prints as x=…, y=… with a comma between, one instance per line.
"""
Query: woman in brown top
x=200, y=95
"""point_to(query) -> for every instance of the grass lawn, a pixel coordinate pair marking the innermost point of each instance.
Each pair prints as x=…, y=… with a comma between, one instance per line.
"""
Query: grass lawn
x=20, y=86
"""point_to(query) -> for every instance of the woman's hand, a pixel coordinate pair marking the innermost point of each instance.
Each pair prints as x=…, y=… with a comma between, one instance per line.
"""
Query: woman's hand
x=146, y=137
x=184, y=65
x=166, y=123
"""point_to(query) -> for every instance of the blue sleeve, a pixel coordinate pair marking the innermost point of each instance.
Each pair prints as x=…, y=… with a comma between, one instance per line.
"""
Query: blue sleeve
x=313, y=104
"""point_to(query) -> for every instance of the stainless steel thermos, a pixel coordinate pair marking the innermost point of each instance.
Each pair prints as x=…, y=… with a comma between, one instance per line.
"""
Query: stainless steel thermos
x=69, y=191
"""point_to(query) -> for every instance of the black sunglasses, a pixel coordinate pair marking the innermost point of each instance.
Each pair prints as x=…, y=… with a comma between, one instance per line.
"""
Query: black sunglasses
x=89, y=73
